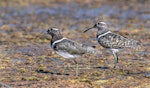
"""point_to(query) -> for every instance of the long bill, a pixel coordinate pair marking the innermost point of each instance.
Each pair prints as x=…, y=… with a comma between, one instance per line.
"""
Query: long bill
x=88, y=29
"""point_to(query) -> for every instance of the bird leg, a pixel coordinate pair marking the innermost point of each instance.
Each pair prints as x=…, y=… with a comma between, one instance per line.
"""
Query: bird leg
x=115, y=59
x=68, y=65
x=76, y=67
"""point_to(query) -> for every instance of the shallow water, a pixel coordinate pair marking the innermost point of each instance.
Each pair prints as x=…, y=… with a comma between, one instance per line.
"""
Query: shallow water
x=10, y=13
x=79, y=13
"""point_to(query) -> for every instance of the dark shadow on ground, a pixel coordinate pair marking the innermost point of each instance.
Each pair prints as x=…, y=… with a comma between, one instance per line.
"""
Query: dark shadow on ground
x=48, y=72
x=101, y=67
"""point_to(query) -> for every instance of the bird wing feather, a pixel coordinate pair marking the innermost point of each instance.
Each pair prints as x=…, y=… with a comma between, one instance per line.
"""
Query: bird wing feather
x=69, y=46
x=113, y=40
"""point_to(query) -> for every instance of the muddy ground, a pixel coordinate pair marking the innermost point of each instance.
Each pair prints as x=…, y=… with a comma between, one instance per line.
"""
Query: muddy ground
x=27, y=61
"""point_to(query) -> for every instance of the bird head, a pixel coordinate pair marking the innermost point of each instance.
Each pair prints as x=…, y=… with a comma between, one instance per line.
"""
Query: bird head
x=99, y=25
x=53, y=31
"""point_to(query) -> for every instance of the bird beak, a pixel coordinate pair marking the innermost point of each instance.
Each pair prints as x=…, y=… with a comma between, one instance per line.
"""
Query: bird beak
x=90, y=28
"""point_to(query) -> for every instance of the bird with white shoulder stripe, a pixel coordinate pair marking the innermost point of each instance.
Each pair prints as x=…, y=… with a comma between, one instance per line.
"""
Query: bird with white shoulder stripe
x=112, y=41
x=68, y=48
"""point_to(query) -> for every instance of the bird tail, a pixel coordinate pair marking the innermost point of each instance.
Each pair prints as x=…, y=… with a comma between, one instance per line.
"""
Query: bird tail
x=92, y=50
x=134, y=44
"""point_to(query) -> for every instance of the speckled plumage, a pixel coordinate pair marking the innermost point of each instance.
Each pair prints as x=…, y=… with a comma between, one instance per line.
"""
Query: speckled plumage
x=73, y=48
x=65, y=45
x=112, y=41
x=115, y=41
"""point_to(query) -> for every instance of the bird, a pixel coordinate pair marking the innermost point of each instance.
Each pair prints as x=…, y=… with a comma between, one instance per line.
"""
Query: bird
x=112, y=41
x=68, y=48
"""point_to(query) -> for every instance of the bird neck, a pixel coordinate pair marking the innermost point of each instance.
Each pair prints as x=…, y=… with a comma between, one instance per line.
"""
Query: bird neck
x=56, y=37
x=102, y=31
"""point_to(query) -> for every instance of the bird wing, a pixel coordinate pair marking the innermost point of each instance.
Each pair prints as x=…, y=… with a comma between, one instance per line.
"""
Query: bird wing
x=113, y=40
x=70, y=46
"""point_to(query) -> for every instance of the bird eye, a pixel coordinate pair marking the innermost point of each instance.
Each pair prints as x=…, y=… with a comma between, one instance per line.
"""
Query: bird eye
x=98, y=23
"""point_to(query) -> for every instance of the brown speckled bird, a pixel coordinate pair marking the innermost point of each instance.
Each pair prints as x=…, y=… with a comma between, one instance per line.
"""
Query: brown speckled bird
x=113, y=42
x=68, y=48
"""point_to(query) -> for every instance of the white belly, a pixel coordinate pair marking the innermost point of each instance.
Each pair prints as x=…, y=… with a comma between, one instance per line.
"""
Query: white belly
x=66, y=55
x=115, y=50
